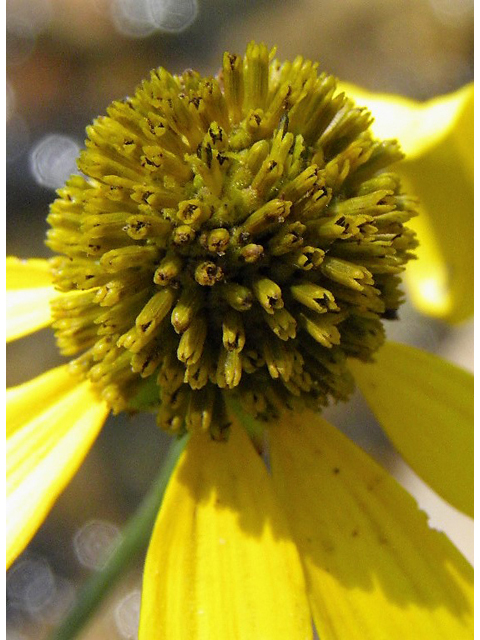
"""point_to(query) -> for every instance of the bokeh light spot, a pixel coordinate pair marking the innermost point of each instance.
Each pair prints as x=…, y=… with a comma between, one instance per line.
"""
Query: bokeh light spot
x=173, y=15
x=141, y=18
x=31, y=584
x=94, y=542
x=127, y=615
x=53, y=160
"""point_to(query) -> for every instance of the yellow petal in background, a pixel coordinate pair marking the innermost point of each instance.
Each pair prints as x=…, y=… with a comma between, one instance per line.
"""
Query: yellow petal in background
x=425, y=405
x=418, y=126
x=374, y=568
x=52, y=422
x=437, y=138
x=441, y=280
x=29, y=291
x=221, y=562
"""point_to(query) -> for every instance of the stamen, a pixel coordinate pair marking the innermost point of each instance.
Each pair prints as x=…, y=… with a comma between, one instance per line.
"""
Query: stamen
x=268, y=294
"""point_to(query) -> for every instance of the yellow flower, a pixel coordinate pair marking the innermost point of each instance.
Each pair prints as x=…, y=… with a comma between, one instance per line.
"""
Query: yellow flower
x=227, y=262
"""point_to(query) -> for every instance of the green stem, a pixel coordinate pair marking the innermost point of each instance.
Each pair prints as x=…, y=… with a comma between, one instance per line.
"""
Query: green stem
x=134, y=539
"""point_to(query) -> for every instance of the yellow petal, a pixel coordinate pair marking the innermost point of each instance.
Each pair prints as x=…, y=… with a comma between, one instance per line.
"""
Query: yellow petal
x=52, y=422
x=29, y=291
x=375, y=569
x=425, y=406
x=221, y=562
x=418, y=126
x=437, y=137
x=441, y=280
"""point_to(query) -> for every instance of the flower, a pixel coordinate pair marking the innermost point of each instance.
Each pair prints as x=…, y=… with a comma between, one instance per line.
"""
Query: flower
x=226, y=261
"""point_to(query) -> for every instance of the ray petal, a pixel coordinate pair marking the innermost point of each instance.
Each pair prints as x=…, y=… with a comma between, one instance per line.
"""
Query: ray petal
x=221, y=562
x=52, y=421
x=425, y=405
x=374, y=568
x=29, y=292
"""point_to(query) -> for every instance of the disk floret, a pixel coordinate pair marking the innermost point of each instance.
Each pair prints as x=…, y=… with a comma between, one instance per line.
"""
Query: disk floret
x=238, y=236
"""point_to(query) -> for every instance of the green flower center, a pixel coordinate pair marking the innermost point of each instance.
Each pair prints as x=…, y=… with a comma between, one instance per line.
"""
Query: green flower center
x=238, y=235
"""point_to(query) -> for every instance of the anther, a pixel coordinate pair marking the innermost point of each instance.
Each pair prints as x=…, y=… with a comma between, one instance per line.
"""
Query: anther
x=268, y=293
x=238, y=296
x=141, y=226
x=217, y=241
x=233, y=331
x=193, y=212
x=188, y=305
x=183, y=235
x=192, y=341
x=252, y=252
x=273, y=212
x=168, y=270
x=314, y=297
x=207, y=273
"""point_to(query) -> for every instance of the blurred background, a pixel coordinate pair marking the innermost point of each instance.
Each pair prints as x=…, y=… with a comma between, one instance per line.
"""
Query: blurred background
x=66, y=61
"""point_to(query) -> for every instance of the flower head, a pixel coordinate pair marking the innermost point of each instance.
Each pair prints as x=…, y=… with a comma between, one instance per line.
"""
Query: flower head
x=233, y=236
